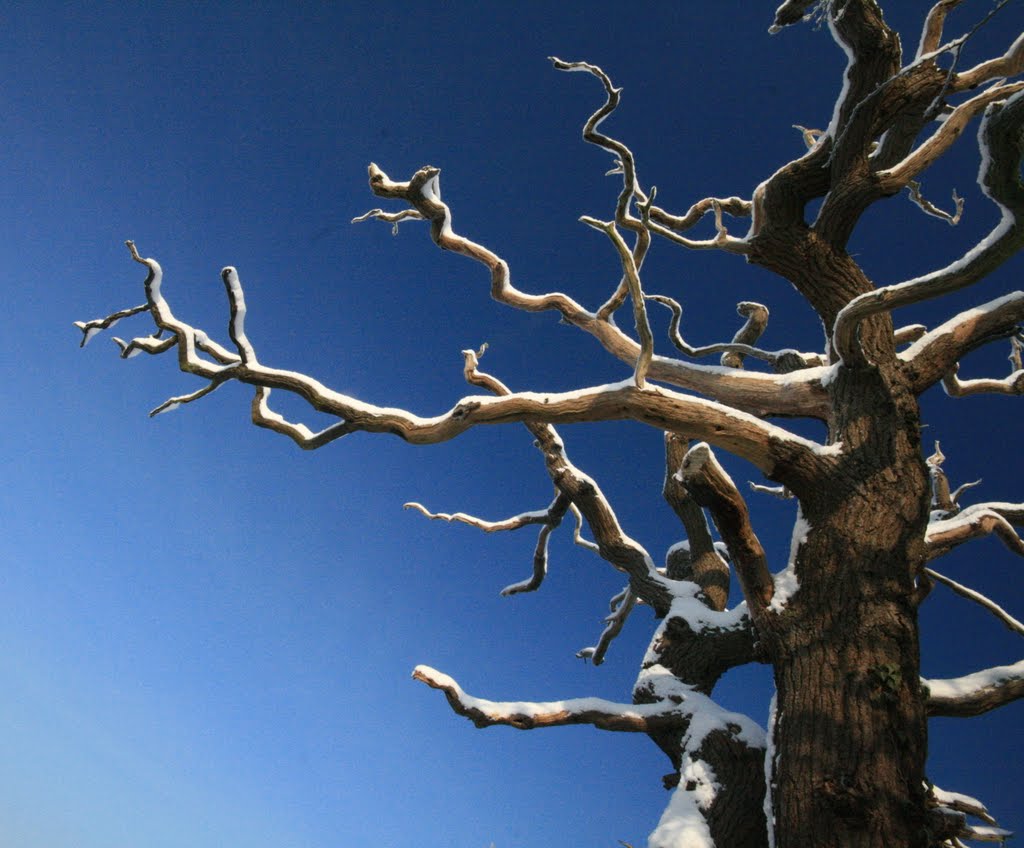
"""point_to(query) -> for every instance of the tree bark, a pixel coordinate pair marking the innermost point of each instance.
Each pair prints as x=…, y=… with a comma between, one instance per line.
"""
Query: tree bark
x=850, y=738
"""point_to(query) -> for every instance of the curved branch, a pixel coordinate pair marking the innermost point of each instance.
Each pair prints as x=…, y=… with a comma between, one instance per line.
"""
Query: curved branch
x=934, y=355
x=760, y=394
x=782, y=361
x=931, y=34
x=1000, y=137
x=976, y=693
x=1009, y=64
x=974, y=522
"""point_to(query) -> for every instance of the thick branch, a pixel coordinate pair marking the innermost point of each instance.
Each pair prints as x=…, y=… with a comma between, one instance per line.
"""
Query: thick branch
x=934, y=356
x=712, y=488
x=704, y=565
x=974, y=522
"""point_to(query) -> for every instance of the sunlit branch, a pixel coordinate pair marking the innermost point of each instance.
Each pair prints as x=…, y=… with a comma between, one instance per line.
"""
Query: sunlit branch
x=1010, y=385
x=783, y=361
x=705, y=565
x=929, y=208
x=978, y=598
x=761, y=394
x=931, y=34
x=936, y=354
x=1009, y=64
x=622, y=605
x=974, y=522
x=632, y=276
x=524, y=715
x=91, y=328
x=612, y=543
x=976, y=693
x=712, y=488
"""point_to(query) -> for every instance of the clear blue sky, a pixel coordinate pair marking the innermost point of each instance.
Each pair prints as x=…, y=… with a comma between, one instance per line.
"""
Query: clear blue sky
x=206, y=635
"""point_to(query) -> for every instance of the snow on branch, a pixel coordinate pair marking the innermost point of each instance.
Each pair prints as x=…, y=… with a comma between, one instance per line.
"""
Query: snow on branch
x=935, y=355
x=974, y=522
x=526, y=715
x=1009, y=385
x=1000, y=139
x=703, y=563
x=971, y=595
x=976, y=693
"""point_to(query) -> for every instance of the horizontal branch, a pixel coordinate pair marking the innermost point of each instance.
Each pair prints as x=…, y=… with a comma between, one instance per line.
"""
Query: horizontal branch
x=974, y=522
x=976, y=693
x=525, y=715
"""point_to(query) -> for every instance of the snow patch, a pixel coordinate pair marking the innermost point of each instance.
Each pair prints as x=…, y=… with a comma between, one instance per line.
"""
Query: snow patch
x=682, y=825
x=786, y=581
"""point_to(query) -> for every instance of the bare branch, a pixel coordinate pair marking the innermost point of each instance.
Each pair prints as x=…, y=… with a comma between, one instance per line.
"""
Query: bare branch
x=514, y=523
x=712, y=488
x=761, y=394
x=1009, y=64
x=782, y=361
x=623, y=604
x=1011, y=385
x=929, y=208
x=91, y=328
x=632, y=277
x=949, y=130
x=703, y=565
x=936, y=354
x=971, y=595
x=976, y=693
x=931, y=34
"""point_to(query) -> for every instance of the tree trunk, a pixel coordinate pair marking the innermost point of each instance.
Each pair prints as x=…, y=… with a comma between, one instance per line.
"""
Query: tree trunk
x=850, y=736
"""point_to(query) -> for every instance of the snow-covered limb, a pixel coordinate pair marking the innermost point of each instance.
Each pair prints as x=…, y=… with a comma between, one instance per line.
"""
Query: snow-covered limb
x=999, y=138
x=976, y=693
x=936, y=354
x=1013, y=384
x=527, y=715
x=712, y=488
x=782, y=361
x=961, y=803
x=978, y=598
x=931, y=33
x=902, y=173
x=974, y=522
x=1010, y=64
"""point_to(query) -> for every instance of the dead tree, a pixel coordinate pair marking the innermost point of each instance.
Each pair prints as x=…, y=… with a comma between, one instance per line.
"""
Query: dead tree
x=843, y=760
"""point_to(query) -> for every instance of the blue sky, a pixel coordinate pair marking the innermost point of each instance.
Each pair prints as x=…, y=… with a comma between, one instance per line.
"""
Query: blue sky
x=206, y=634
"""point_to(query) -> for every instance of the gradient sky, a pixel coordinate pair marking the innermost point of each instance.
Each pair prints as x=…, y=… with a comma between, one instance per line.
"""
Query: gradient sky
x=206, y=634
